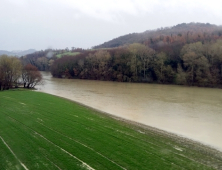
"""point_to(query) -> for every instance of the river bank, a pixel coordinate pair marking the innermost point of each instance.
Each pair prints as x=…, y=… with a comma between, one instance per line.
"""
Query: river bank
x=135, y=125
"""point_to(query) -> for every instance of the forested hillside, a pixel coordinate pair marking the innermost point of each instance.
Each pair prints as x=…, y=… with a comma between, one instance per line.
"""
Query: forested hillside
x=185, y=33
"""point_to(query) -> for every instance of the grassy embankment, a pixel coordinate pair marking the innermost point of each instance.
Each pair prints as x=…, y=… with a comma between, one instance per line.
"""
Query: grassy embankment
x=41, y=131
x=67, y=53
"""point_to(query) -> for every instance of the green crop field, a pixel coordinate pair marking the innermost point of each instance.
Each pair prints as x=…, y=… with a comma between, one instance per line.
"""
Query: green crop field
x=41, y=131
x=67, y=53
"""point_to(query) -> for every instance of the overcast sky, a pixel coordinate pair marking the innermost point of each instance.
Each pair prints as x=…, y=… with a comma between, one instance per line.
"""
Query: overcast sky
x=41, y=24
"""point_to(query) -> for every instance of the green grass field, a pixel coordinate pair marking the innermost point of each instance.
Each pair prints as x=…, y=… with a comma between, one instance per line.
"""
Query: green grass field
x=41, y=131
x=67, y=53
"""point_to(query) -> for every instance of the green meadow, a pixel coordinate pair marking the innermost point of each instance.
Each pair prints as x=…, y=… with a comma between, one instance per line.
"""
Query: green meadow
x=42, y=131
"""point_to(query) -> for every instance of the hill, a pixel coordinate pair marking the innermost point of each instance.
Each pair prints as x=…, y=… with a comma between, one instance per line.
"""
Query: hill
x=17, y=53
x=180, y=30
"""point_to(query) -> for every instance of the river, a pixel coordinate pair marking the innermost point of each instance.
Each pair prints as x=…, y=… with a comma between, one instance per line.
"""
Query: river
x=191, y=112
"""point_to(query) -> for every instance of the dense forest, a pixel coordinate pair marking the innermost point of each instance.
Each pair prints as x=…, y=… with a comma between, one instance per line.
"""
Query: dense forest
x=187, y=54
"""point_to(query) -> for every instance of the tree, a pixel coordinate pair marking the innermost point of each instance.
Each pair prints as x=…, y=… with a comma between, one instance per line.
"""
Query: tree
x=10, y=71
x=160, y=66
x=146, y=54
x=134, y=63
x=215, y=52
x=42, y=63
x=180, y=76
x=141, y=56
x=102, y=58
x=196, y=63
x=31, y=76
x=190, y=61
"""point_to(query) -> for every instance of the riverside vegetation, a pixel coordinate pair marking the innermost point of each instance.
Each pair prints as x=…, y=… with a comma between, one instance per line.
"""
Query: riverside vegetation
x=41, y=131
x=186, y=54
x=14, y=74
x=198, y=64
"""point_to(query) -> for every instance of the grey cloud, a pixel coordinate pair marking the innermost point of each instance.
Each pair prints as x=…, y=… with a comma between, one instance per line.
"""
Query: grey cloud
x=59, y=24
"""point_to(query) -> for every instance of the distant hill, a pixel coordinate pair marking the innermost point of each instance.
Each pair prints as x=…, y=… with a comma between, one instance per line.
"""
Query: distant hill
x=17, y=53
x=178, y=30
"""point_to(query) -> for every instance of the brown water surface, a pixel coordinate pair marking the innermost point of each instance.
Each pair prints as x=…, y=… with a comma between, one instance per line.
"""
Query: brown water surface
x=191, y=112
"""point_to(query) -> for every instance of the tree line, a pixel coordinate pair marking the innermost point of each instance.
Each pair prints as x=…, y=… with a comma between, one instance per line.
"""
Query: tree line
x=44, y=59
x=196, y=64
x=13, y=74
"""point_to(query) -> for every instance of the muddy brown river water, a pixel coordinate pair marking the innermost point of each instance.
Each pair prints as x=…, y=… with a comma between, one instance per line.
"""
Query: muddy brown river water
x=191, y=112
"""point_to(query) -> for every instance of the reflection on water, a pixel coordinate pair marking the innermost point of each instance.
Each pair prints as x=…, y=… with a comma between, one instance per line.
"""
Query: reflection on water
x=188, y=111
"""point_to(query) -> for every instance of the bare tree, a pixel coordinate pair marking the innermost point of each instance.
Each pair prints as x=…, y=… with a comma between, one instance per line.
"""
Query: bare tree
x=31, y=76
